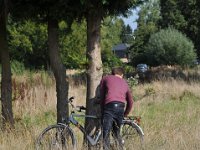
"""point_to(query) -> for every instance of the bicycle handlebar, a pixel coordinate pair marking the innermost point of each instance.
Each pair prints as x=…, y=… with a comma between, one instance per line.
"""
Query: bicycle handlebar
x=71, y=99
x=80, y=108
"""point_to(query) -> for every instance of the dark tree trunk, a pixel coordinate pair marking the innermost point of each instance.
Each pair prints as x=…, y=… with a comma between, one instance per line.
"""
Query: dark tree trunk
x=58, y=70
x=6, y=83
x=94, y=70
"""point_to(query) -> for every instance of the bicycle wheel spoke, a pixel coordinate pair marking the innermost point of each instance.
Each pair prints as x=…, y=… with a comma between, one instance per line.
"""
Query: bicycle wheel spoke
x=56, y=138
x=131, y=138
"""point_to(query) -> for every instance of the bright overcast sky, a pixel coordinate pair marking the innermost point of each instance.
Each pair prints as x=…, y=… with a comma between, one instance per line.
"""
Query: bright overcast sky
x=131, y=20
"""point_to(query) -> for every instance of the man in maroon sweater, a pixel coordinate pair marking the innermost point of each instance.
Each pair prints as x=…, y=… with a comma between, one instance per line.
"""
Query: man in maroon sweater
x=115, y=95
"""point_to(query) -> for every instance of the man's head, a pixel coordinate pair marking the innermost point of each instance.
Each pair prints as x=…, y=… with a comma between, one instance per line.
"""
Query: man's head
x=118, y=71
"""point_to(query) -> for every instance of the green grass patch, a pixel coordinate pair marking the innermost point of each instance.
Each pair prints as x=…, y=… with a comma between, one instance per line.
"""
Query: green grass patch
x=171, y=121
x=45, y=118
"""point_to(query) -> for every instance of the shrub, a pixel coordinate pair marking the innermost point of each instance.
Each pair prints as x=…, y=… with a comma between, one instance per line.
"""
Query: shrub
x=110, y=60
x=132, y=81
x=170, y=47
x=17, y=67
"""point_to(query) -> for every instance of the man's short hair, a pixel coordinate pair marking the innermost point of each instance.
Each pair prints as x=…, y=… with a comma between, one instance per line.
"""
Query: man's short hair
x=117, y=70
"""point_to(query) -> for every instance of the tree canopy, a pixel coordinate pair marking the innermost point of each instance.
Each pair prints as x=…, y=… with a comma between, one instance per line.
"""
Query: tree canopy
x=184, y=16
x=28, y=42
x=148, y=17
x=170, y=47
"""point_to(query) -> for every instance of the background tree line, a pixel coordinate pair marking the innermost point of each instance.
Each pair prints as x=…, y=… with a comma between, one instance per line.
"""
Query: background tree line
x=27, y=41
x=178, y=44
x=152, y=18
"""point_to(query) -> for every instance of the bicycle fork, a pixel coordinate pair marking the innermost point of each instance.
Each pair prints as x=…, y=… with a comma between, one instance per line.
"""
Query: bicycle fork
x=93, y=141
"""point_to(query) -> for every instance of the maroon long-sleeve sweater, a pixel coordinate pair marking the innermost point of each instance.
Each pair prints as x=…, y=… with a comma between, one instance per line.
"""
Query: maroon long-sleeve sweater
x=114, y=88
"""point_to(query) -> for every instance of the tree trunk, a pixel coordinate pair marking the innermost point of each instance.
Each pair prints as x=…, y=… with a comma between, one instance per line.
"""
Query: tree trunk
x=58, y=70
x=6, y=82
x=94, y=70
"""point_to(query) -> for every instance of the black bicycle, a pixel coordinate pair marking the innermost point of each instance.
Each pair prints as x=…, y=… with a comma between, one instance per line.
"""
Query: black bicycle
x=61, y=136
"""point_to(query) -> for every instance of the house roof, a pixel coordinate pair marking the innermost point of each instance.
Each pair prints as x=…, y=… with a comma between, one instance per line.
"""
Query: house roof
x=122, y=46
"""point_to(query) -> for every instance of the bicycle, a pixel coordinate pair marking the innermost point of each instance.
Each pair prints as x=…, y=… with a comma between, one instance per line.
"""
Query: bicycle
x=62, y=137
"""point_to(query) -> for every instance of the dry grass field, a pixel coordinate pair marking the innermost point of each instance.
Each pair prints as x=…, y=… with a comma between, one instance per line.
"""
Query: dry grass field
x=169, y=109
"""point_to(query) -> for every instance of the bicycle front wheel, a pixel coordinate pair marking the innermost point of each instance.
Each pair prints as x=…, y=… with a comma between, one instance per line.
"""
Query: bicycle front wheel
x=56, y=137
x=132, y=135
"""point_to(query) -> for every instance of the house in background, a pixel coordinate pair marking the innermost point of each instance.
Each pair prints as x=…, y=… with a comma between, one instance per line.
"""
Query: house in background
x=121, y=51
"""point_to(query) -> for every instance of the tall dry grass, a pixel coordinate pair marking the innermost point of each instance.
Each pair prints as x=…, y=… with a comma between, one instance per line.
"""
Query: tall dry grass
x=170, y=114
x=169, y=109
x=34, y=108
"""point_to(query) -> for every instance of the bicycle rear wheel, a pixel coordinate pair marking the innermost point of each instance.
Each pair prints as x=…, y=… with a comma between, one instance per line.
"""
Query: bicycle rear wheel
x=132, y=135
x=56, y=137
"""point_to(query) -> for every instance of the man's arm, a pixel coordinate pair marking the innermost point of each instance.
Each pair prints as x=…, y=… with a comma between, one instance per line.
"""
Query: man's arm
x=129, y=105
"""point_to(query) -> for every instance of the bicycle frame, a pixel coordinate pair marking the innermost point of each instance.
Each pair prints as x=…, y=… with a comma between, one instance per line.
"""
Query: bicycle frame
x=92, y=141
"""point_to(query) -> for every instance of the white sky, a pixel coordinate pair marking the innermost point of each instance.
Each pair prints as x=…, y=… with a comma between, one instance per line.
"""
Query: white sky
x=131, y=20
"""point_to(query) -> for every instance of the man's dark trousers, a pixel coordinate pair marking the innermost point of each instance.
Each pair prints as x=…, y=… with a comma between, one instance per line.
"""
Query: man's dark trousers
x=113, y=114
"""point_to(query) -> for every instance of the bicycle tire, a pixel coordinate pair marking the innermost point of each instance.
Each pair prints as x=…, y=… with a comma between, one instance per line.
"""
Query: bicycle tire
x=56, y=137
x=132, y=135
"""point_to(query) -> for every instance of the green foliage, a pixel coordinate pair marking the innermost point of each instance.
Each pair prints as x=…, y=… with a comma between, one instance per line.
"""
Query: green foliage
x=170, y=47
x=28, y=39
x=183, y=16
x=171, y=14
x=47, y=117
x=132, y=81
x=73, y=46
x=128, y=69
x=106, y=7
x=126, y=34
x=149, y=15
x=28, y=43
x=110, y=33
x=110, y=60
x=17, y=67
x=110, y=36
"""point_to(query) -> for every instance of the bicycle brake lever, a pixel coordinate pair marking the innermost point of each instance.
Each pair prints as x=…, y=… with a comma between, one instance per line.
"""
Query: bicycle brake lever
x=80, y=108
x=83, y=107
x=71, y=99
